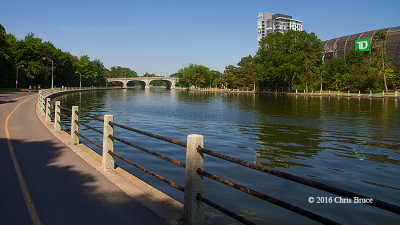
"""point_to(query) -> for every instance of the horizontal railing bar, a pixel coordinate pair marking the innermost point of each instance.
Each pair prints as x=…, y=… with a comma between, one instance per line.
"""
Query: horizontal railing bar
x=148, y=171
x=268, y=198
x=87, y=139
x=150, y=134
x=63, y=115
x=176, y=162
x=70, y=110
x=88, y=115
x=64, y=125
x=224, y=210
x=92, y=128
x=375, y=202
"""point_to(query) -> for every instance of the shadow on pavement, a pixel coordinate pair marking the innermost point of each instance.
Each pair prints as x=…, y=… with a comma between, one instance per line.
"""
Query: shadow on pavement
x=63, y=191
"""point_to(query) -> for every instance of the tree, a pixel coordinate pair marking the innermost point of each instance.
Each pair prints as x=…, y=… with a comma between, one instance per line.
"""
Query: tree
x=358, y=78
x=396, y=77
x=273, y=63
x=93, y=72
x=6, y=62
x=214, y=77
x=242, y=76
x=311, y=49
x=379, y=43
x=30, y=52
x=334, y=70
x=283, y=60
x=193, y=75
x=354, y=58
x=229, y=77
x=117, y=71
x=246, y=71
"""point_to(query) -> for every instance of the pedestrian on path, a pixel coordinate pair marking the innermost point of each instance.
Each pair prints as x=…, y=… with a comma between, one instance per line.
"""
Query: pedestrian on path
x=30, y=88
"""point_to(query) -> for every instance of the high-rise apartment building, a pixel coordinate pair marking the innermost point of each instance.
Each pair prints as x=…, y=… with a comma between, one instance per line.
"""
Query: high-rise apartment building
x=269, y=23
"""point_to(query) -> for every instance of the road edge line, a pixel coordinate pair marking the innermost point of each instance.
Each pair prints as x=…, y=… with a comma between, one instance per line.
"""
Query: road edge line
x=24, y=188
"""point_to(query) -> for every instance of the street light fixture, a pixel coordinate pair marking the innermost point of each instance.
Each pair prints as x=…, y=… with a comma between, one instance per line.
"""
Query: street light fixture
x=80, y=79
x=52, y=77
x=16, y=77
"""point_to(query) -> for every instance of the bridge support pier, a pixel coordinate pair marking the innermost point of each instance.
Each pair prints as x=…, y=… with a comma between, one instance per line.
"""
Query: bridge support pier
x=125, y=84
x=173, y=85
x=146, y=84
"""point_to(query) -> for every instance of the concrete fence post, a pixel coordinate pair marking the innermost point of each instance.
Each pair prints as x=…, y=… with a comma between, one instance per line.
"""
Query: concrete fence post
x=193, y=212
x=396, y=93
x=57, y=126
x=42, y=107
x=48, y=119
x=74, y=126
x=108, y=143
x=40, y=104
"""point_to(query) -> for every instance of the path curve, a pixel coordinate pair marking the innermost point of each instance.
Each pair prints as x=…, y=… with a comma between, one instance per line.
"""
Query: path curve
x=64, y=188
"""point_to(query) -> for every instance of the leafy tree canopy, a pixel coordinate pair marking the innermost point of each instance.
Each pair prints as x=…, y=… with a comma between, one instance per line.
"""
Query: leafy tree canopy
x=117, y=71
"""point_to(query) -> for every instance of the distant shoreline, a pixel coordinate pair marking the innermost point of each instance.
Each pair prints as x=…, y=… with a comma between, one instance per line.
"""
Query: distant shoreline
x=324, y=93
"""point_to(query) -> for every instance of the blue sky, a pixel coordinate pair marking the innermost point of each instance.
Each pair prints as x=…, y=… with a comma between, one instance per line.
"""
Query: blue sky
x=161, y=37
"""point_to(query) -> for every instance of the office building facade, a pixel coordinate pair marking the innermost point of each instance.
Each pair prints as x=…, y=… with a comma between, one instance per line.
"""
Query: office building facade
x=269, y=23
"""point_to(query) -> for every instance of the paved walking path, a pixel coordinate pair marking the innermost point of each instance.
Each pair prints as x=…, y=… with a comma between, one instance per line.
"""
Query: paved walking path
x=63, y=188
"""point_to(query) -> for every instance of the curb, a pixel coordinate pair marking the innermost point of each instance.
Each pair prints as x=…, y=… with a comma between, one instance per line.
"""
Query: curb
x=163, y=205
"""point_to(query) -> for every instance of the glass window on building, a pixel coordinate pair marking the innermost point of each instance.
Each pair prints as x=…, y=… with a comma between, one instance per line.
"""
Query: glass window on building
x=269, y=23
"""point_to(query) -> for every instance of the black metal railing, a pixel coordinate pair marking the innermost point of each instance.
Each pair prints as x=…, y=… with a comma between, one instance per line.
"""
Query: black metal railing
x=240, y=187
x=172, y=184
x=80, y=123
x=334, y=190
x=176, y=162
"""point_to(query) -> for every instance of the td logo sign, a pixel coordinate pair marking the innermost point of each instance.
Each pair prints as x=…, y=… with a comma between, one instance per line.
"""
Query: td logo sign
x=362, y=45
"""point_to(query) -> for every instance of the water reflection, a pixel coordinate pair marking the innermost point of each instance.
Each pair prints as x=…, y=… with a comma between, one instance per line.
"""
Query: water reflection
x=295, y=129
x=350, y=142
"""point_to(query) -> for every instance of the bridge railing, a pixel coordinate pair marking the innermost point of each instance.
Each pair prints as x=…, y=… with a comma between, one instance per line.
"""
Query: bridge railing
x=194, y=169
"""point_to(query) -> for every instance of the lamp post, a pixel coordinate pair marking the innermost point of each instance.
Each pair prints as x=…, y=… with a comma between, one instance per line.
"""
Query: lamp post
x=80, y=79
x=16, y=77
x=52, y=77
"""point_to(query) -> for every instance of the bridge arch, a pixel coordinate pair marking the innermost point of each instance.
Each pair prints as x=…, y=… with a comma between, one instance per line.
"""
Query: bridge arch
x=135, y=82
x=119, y=83
x=168, y=83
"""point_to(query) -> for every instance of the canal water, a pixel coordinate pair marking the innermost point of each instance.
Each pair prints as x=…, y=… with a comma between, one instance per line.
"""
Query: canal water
x=350, y=143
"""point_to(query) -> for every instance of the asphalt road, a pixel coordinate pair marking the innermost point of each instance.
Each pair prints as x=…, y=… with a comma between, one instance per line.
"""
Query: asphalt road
x=60, y=188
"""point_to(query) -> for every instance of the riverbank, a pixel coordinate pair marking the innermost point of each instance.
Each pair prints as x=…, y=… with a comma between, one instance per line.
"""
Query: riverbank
x=324, y=93
x=166, y=209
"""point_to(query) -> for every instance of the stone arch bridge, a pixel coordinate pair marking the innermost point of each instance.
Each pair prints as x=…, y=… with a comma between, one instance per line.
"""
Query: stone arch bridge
x=145, y=81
